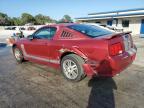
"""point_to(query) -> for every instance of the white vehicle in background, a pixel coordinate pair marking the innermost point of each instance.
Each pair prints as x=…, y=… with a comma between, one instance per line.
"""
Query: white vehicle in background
x=116, y=29
x=10, y=28
x=111, y=28
x=104, y=27
x=22, y=28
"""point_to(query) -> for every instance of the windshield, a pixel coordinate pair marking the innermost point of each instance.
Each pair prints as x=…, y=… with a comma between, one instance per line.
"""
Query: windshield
x=90, y=30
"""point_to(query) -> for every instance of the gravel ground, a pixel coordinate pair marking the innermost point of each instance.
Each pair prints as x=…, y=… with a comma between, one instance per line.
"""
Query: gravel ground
x=30, y=85
x=139, y=42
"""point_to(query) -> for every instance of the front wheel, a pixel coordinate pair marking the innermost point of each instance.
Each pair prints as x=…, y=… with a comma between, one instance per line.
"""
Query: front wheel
x=72, y=69
x=18, y=55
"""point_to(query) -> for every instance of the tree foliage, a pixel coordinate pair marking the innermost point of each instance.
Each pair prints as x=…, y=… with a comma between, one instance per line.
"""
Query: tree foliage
x=16, y=21
x=66, y=19
x=28, y=18
x=4, y=19
x=41, y=19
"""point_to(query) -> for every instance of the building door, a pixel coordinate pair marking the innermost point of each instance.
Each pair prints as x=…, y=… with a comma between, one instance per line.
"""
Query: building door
x=142, y=27
x=109, y=22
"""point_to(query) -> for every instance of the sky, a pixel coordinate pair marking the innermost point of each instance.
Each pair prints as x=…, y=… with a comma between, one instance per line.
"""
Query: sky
x=57, y=8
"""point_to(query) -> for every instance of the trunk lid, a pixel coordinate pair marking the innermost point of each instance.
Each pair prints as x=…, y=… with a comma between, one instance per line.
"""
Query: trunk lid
x=124, y=39
x=107, y=37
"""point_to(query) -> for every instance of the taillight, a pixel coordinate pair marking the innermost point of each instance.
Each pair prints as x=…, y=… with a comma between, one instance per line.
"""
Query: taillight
x=115, y=49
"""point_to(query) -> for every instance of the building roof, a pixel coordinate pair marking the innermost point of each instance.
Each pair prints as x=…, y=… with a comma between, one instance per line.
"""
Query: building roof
x=111, y=16
x=117, y=11
x=114, y=14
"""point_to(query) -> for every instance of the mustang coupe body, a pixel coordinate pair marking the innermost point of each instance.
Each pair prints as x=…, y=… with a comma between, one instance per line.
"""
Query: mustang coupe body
x=78, y=50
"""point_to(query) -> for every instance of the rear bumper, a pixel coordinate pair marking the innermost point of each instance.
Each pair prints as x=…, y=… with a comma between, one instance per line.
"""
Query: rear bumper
x=119, y=63
x=111, y=66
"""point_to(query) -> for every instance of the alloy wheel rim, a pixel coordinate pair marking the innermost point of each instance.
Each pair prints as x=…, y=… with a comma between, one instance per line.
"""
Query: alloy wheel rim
x=17, y=54
x=70, y=69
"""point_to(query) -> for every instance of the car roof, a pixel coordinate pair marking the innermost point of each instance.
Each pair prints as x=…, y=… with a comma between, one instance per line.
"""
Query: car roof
x=60, y=25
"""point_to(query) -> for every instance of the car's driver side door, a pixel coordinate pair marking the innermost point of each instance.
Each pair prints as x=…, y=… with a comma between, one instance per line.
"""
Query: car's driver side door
x=38, y=47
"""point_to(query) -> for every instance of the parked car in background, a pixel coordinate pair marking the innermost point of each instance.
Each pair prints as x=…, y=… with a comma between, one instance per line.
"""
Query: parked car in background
x=31, y=28
x=116, y=29
x=78, y=50
x=10, y=28
x=22, y=28
x=7, y=28
x=111, y=28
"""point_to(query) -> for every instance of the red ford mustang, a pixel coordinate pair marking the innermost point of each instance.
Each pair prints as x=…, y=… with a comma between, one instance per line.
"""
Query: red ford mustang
x=78, y=50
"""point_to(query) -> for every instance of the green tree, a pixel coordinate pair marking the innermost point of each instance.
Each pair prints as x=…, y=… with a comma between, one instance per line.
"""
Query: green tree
x=27, y=18
x=16, y=21
x=65, y=19
x=11, y=22
x=4, y=19
x=49, y=20
x=41, y=19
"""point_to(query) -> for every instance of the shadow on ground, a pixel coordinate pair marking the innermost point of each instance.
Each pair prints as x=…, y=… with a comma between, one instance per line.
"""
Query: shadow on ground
x=101, y=95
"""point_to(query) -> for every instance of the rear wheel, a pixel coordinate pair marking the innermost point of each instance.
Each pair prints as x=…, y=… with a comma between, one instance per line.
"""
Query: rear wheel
x=18, y=55
x=72, y=69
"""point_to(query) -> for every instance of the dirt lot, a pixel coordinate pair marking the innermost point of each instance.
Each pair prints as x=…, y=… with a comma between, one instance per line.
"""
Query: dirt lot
x=30, y=85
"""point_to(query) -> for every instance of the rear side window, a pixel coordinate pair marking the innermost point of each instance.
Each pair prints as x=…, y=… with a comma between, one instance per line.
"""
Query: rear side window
x=90, y=30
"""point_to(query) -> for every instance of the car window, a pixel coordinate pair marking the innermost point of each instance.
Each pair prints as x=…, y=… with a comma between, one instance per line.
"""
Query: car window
x=45, y=33
x=42, y=33
x=52, y=31
x=90, y=30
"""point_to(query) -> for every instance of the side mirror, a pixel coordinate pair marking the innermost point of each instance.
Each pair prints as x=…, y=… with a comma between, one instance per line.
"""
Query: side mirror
x=30, y=37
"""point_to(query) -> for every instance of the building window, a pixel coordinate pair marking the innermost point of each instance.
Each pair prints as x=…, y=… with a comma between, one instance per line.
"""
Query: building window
x=125, y=23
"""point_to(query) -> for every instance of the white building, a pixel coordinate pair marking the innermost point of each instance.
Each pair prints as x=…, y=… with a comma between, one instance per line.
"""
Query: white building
x=129, y=20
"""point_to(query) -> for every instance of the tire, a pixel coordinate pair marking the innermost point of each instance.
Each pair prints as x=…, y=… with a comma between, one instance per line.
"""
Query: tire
x=18, y=55
x=73, y=72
